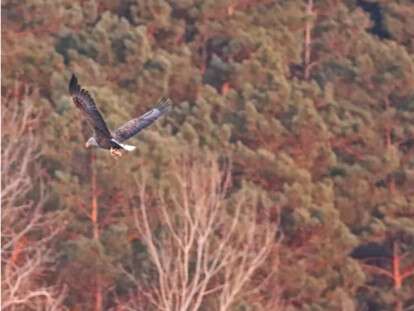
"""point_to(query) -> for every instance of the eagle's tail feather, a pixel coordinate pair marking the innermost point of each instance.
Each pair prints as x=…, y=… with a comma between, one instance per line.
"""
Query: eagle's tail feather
x=124, y=146
x=127, y=147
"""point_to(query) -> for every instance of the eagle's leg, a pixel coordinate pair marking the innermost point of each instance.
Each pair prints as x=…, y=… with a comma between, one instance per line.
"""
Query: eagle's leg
x=116, y=153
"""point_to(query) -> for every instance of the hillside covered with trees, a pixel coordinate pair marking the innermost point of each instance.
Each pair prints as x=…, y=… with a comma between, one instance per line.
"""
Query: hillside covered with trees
x=282, y=178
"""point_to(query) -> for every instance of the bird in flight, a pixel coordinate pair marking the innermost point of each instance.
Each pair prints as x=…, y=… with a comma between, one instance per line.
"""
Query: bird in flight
x=102, y=137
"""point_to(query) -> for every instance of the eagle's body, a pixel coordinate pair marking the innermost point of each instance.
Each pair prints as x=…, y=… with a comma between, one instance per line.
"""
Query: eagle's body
x=102, y=137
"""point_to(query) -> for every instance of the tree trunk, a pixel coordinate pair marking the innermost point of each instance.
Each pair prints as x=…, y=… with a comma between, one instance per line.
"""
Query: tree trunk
x=398, y=306
x=308, y=40
x=396, y=267
x=95, y=224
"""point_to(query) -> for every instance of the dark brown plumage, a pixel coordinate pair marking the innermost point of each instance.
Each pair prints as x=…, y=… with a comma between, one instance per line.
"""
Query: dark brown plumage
x=86, y=104
x=132, y=127
x=102, y=137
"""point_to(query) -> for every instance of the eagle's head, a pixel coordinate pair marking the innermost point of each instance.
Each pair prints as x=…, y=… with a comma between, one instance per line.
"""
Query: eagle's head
x=91, y=143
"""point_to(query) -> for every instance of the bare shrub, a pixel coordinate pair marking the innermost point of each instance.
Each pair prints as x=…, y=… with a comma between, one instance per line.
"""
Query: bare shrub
x=205, y=243
x=26, y=229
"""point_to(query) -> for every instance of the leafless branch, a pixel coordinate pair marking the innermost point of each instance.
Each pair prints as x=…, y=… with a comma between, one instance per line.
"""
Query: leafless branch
x=26, y=229
x=211, y=242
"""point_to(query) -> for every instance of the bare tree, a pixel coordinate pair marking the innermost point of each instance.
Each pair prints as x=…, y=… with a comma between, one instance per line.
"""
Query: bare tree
x=210, y=244
x=26, y=230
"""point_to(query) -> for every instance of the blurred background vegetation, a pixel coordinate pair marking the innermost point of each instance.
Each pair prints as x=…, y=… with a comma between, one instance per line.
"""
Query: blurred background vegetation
x=310, y=104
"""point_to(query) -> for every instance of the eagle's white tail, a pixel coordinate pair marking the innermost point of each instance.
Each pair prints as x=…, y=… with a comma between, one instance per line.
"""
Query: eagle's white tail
x=124, y=146
x=127, y=147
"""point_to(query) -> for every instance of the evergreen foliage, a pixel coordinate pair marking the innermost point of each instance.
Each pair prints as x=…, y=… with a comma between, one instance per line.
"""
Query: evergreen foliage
x=328, y=155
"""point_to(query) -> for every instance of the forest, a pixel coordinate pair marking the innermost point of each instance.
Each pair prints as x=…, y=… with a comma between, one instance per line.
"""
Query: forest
x=282, y=178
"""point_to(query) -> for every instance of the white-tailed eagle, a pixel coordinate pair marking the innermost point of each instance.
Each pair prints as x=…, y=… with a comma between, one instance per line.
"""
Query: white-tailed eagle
x=102, y=137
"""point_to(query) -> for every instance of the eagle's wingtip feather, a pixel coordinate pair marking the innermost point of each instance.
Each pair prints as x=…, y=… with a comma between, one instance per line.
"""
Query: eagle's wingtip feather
x=164, y=104
x=73, y=85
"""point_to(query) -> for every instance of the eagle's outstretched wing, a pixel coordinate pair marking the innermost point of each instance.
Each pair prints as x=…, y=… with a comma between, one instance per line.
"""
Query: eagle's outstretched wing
x=132, y=127
x=85, y=103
